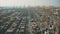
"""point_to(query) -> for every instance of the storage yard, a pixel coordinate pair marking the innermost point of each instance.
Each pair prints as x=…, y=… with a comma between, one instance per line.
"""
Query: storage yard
x=31, y=20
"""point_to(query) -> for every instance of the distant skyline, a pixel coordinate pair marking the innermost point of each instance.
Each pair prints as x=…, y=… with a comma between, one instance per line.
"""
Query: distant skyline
x=21, y=3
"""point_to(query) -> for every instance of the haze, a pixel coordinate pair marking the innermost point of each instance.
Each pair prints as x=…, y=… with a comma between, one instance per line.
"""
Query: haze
x=18, y=3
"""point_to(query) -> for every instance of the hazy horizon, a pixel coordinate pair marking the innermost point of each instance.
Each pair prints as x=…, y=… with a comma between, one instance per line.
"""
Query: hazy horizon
x=21, y=3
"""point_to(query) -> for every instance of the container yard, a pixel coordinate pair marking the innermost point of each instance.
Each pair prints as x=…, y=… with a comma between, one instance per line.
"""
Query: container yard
x=32, y=20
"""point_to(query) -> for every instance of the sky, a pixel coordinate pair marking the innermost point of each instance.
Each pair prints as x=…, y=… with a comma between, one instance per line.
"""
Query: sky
x=21, y=3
